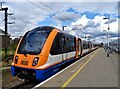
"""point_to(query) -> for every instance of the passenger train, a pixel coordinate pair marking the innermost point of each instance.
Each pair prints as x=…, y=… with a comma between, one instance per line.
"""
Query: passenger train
x=45, y=50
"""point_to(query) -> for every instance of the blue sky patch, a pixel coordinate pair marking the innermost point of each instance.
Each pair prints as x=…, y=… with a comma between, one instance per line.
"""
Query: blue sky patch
x=90, y=15
x=107, y=15
x=70, y=10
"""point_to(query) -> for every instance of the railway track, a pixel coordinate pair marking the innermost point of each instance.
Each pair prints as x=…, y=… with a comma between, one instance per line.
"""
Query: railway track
x=27, y=85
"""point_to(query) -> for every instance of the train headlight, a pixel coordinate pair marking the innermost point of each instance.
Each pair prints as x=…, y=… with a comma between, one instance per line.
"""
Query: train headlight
x=35, y=61
x=16, y=59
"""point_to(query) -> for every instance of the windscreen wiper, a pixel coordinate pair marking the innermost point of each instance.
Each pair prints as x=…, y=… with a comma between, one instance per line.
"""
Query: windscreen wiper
x=25, y=54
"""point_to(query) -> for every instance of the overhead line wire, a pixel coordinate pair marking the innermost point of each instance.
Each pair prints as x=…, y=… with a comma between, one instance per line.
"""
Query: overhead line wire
x=53, y=9
x=48, y=12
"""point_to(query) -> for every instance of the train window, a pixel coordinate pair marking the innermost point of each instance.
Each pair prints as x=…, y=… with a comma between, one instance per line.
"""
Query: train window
x=56, y=46
x=63, y=43
x=33, y=41
x=70, y=44
x=85, y=45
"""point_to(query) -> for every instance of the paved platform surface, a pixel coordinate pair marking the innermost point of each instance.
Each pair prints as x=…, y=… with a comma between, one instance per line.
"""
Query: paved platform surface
x=94, y=70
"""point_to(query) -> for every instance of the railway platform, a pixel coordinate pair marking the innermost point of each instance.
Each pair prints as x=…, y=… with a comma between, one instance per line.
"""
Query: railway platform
x=93, y=70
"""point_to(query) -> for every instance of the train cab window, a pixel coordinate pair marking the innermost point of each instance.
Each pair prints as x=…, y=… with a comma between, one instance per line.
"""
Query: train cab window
x=63, y=43
x=33, y=41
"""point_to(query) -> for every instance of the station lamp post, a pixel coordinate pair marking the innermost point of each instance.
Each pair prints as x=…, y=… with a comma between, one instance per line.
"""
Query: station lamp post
x=6, y=26
x=108, y=35
x=63, y=27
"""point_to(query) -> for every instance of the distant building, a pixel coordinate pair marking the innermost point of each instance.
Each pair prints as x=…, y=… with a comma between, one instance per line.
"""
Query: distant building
x=16, y=40
x=115, y=45
x=2, y=39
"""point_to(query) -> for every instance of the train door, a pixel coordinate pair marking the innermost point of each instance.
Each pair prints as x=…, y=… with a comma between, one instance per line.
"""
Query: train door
x=80, y=47
x=77, y=47
x=63, y=48
x=90, y=46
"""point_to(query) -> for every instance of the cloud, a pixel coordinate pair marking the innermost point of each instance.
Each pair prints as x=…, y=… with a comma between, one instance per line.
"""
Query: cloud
x=66, y=16
x=25, y=16
x=82, y=21
x=28, y=15
x=111, y=21
x=98, y=7
x=114, y=27
x=92, y=24
x=95, y=27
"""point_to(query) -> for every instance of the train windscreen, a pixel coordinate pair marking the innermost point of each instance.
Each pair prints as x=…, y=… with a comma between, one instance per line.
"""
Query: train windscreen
x=33, y=41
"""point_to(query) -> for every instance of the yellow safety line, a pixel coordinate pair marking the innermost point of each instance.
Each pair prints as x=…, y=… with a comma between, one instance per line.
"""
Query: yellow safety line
x=70, y=79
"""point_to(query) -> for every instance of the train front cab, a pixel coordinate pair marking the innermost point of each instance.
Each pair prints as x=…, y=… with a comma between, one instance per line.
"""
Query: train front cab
x=26, y=59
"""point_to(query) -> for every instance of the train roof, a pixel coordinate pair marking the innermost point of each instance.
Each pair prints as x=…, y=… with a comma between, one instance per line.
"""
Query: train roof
x=49, y=28
x=39, y=28
x=44, y=27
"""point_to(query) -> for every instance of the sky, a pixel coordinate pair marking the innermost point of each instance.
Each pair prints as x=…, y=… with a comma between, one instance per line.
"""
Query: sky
x=84, y=18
